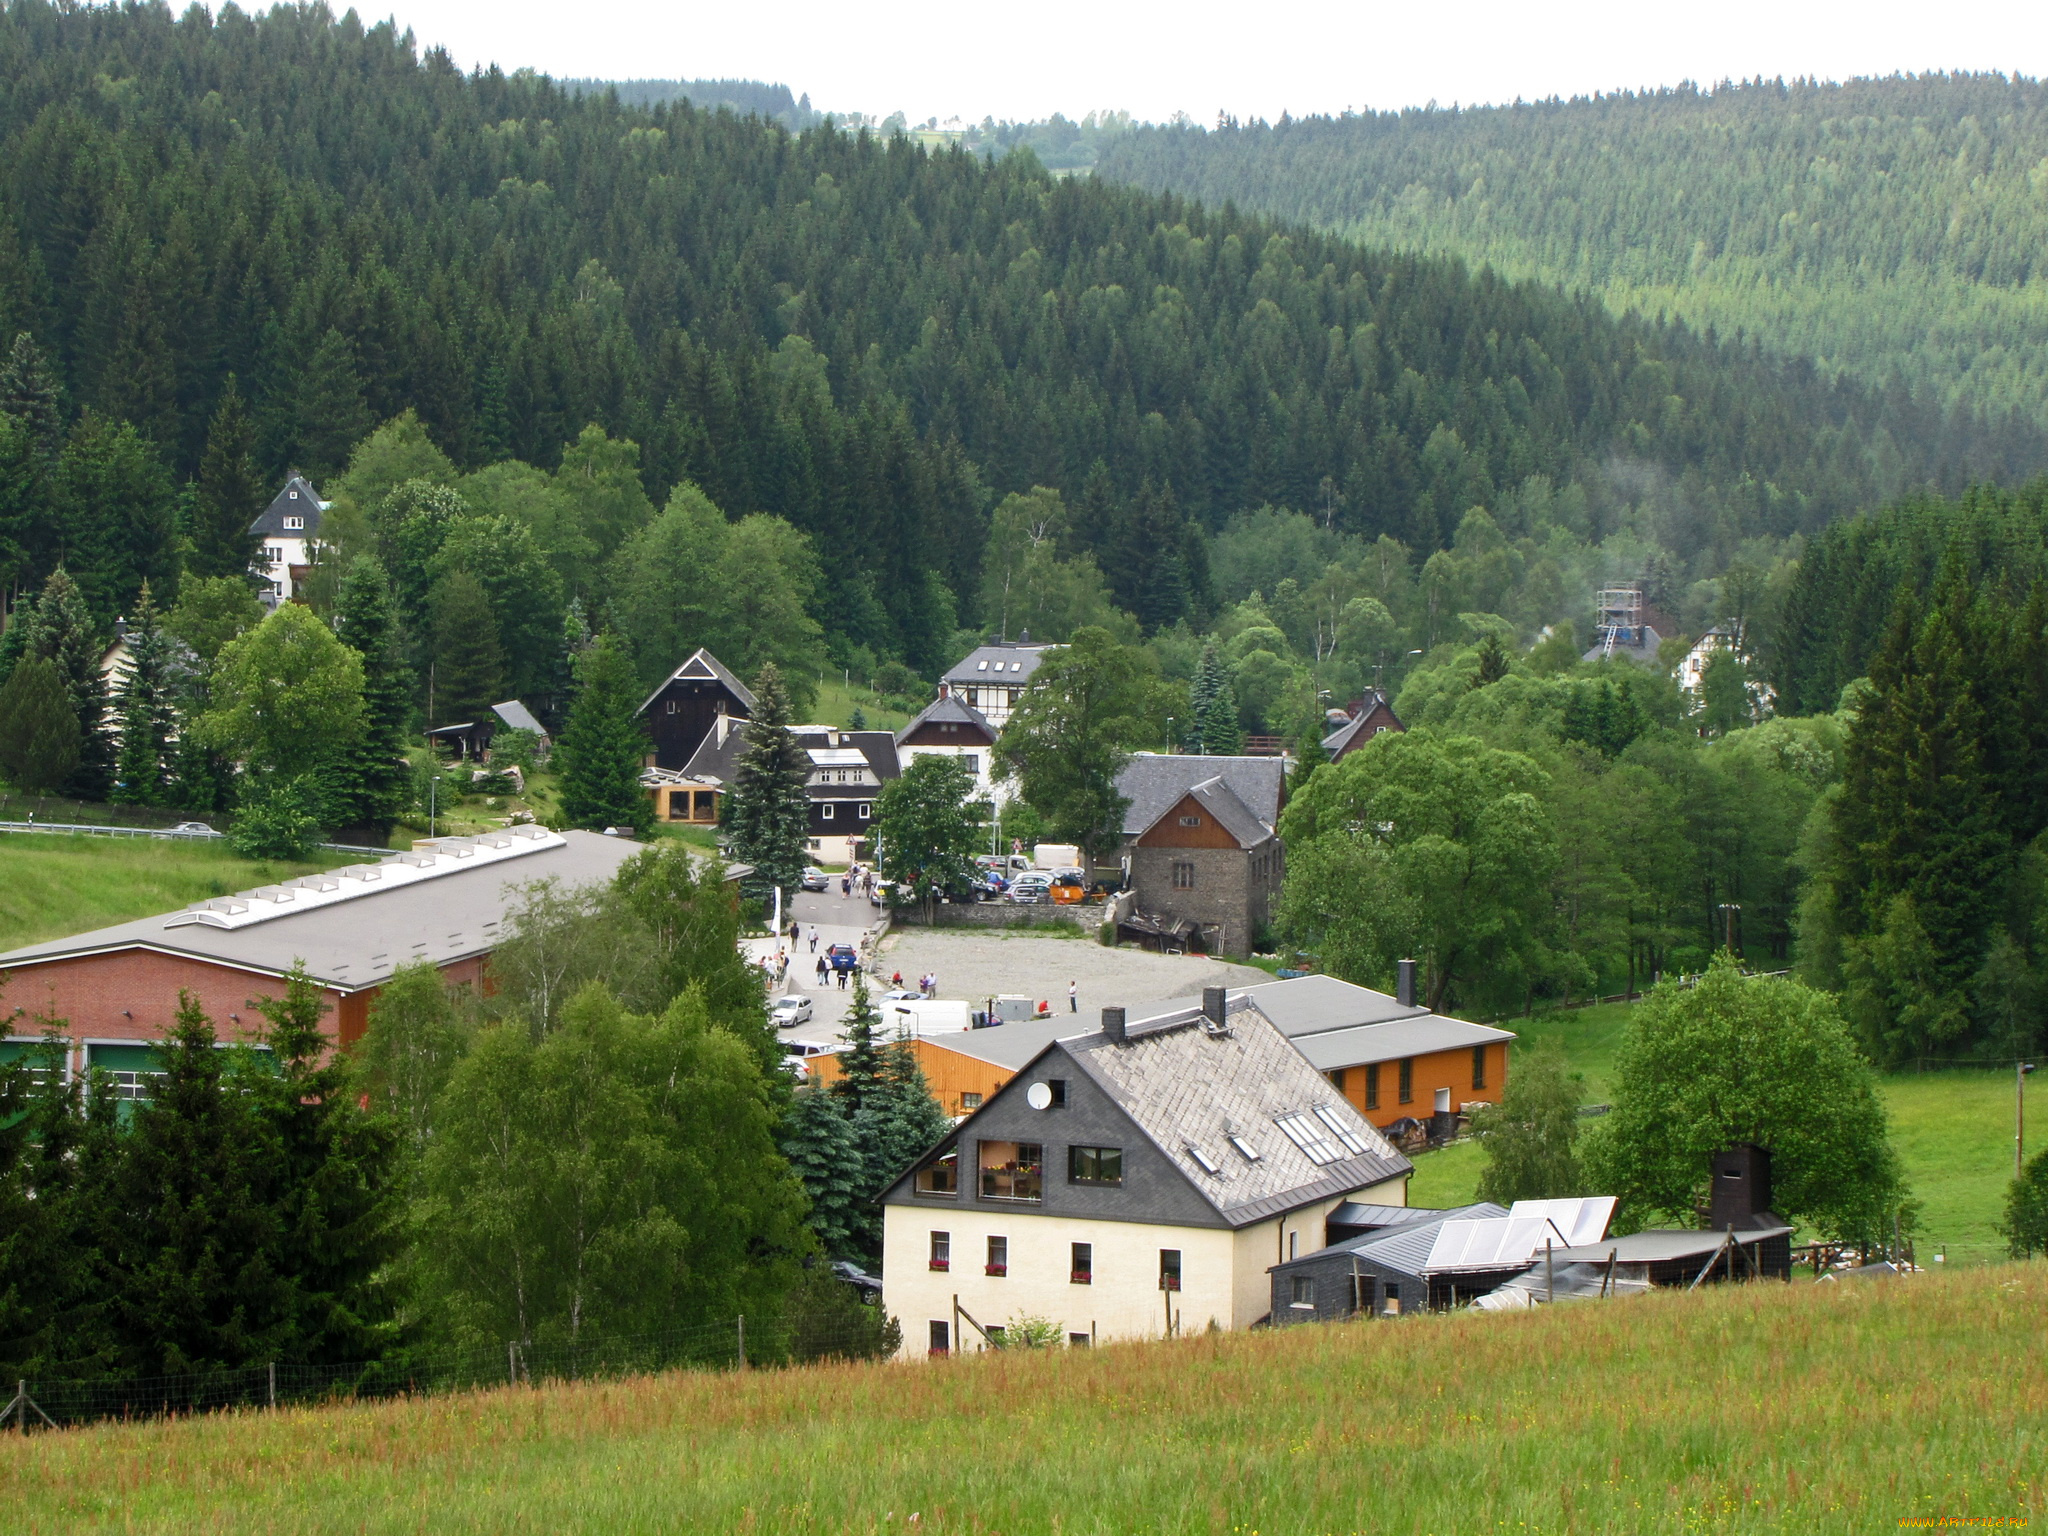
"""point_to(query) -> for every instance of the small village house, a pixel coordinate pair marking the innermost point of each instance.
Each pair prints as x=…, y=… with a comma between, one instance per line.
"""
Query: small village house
x=992, y=678
x=1371, y=716
x=1201, y=851
x=1134, y=1182
x=290, y=530
x=951, y=727
x=847, y=772
x=700, y=701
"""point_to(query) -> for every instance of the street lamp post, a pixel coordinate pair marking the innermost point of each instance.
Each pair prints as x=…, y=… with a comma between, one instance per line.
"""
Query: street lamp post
x=1728, y=911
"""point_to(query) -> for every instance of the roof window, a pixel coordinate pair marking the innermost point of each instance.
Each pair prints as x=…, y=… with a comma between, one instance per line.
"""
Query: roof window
x=982, y=665
x=1208, y=1163
x=1250, y=1152
x=1306, y=1134
x=1340, y=1129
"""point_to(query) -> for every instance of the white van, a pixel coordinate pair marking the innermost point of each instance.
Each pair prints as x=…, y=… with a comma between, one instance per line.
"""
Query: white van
x=914, y=1018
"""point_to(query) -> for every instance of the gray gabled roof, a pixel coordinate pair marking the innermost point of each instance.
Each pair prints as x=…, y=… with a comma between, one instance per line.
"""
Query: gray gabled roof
x=297, y=499
x=1341, y=739
x=515, y=716
x=1231, y=813
x=716, y=761
x=358, y=943
x=1014, y=1046
x=1011, y=664
x=948, y=708
x=1336, y=1023
x=1185, y=1086
x=704, y=667
x=1155, y=782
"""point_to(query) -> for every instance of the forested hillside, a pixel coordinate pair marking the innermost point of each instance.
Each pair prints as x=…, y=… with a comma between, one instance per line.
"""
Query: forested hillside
x=868, y=341
x=1879, y=227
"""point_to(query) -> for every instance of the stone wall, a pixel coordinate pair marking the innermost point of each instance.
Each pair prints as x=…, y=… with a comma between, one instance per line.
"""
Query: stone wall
x=1002, y=914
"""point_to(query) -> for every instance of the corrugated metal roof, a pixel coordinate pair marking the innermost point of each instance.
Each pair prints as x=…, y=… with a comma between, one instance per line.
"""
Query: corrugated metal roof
x=516, y=716
x=1407, y=1248
x=1395, y=1041
x=1663, y=1246
x=1579, y=1219
x=1353, y=1213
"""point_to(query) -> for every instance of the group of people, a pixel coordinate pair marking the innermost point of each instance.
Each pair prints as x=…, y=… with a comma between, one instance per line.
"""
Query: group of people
x=927, y=984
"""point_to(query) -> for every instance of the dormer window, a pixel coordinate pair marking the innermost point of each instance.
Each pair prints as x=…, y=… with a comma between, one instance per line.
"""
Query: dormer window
x=294, y=522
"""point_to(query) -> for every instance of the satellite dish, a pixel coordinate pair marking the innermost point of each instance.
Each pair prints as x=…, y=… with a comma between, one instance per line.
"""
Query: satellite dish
x=1038, y=1096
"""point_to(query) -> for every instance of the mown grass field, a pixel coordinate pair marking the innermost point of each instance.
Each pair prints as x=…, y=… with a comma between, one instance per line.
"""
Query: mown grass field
x=51, y=886
x=1812, y=1408
x=1953, y=1129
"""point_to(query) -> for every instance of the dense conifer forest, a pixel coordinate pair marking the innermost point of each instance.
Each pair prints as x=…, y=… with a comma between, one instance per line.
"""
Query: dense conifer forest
x=867, y=340
x=1883, y=228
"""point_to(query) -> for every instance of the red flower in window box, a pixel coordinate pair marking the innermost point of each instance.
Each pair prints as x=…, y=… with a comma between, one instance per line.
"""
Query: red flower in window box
x=1082, y=1276
x=995, y=1269
x=942, y=1264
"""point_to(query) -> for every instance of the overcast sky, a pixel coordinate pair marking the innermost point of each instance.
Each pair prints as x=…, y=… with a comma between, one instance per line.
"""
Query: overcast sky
x=1027, y=61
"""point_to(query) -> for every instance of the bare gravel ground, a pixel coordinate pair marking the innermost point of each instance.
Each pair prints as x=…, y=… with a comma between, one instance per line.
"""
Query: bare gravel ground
x=977, y=965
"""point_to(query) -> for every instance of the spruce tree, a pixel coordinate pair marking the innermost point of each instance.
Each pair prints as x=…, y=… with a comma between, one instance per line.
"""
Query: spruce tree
x=602, y=747
x=825, y=1155
x=1208, y=682
x=38, y=728
x=192, y=1235
x=468, y=674
x=29, y=394
x=767, y=812
x=1221, y=734
x=862, y=1069
x=373, y=780
x=229, y=493
x=59, y=629
x=334, y=1186
x=146, y=706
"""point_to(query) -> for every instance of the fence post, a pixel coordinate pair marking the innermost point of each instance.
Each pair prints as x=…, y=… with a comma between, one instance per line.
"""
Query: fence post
x=273, y=1383
x=743, y=1340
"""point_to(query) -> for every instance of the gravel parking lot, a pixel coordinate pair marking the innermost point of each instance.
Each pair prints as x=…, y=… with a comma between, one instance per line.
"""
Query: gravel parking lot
x=977, y=965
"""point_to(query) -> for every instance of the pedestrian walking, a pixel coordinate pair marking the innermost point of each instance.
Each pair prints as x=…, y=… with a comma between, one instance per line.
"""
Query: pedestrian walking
x=823, y=968
x=1074, y=996
x=842, y=981
x=814, y=938
x=846, y=885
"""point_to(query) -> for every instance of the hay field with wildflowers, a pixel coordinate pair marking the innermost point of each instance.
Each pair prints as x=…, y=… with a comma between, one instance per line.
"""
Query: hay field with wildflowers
x=1841, y=1407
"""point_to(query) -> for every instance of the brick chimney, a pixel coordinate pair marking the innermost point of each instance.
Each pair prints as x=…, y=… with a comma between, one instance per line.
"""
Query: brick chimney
x=1741, y=1186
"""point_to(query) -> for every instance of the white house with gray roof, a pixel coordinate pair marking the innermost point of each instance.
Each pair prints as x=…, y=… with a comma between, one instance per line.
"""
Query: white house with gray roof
x=1137, y=1181
x=290, y=530
x=992, y=678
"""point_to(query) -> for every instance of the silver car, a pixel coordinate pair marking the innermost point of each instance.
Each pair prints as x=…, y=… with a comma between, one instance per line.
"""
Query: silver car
x=791, y=1011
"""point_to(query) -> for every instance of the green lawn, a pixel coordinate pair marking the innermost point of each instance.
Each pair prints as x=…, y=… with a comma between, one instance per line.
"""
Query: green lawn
x=837, y=702
x=1953, y=1130
x=1833, y=1409
x=51, y=886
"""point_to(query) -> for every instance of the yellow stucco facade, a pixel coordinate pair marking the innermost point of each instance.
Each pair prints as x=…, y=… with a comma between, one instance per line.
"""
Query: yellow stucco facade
x=1223, y=1276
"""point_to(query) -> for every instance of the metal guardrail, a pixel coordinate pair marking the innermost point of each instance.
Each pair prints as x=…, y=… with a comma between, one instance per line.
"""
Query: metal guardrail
x=94, y=829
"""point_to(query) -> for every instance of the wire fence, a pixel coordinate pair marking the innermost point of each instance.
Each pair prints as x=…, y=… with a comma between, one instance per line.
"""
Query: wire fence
x=738, y=1343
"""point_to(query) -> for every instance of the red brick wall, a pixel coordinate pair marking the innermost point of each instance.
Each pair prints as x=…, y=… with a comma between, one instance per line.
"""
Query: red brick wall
x=132, y=994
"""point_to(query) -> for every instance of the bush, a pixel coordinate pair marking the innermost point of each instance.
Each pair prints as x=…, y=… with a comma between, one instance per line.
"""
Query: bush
x=515, y=749
x=2026, y=1210
x=275, y=819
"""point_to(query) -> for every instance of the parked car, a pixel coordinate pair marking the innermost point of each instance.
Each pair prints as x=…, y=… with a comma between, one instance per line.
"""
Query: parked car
x=869, y=1287
x=790, y=1011
x=815, y=879
x=841, y=957
x=1029, y=890
x=879, y=896
x=901, y=995
x=1006, y=863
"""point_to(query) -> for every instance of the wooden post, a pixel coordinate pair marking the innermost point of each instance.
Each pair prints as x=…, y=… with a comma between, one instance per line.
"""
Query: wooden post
x=741, y=1330
x=273, y=1383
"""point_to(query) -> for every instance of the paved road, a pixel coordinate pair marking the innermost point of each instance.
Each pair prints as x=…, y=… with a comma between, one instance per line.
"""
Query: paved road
x=837, y=920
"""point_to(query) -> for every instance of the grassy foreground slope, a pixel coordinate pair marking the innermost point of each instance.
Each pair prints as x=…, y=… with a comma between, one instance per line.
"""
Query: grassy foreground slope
x=1829, y=1408
x=51, y=886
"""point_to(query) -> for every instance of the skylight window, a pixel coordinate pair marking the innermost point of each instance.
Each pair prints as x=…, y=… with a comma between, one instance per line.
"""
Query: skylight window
x=1343, y=1132
x=981, y=666
x=1308, y=1134
x=1208, y=1163
x=1251, y=1153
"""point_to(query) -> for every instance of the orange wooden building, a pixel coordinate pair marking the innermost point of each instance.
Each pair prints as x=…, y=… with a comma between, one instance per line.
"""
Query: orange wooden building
x=1390, y=1060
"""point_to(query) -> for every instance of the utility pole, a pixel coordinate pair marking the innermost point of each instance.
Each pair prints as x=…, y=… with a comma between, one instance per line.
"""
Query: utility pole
x=2019, y=1116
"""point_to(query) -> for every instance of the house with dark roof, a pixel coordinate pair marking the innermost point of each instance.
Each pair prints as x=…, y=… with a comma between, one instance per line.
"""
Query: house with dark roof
x=698, y=701
x=951, y=727
x=445, y=901
x=848, y=770
x=992, y=678
x=1201, y=853
x=1131, y=1182
x=290, y=530
x=1371, y=716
